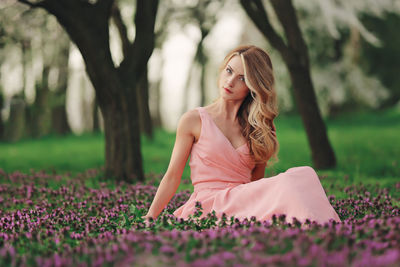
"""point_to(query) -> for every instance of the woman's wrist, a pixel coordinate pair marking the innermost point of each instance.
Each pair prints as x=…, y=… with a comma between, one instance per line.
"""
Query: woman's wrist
x=150, y=215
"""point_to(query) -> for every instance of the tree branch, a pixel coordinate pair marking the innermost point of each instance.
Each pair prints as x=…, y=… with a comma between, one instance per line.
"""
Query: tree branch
x=29, y=3
x=141, y=49
x=123, y=32
x=287, y=16
x=105, y=6
x=256, y=11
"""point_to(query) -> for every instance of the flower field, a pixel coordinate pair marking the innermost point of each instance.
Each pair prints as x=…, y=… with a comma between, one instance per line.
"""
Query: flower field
x=48, y=220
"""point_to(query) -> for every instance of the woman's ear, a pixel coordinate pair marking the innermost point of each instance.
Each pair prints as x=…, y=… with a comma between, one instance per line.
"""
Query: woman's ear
x=252, y=94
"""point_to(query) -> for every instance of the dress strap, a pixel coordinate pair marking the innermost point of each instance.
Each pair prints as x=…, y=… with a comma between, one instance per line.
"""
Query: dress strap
x=204, y=123
x=201, y=113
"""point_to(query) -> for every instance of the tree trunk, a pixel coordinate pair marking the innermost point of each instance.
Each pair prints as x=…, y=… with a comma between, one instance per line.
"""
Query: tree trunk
x=96, y=121
x=156, y=104
x=121, y=127
x=1, y=117
x=295, y=56
x=59, y=120
x=157, y=121
x=59, y=116
x=26, y=49
x=202, y=63
x=146, y=124
x=321, y=151
x=15, y=127
x=39, y=111
x=123, y=158
x=88, y=26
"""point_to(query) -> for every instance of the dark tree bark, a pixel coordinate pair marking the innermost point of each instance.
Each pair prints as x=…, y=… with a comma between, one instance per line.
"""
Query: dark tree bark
x=201, y=59
x=26, y=49
x=15, y=128
x=295, y=56
x=122, y=29
x=59, y=119
x=87, y=24
x=203, y=62
x=142, y=88
x=146, y=124
x=157, y=122
x=96, y=121
x=39, y=112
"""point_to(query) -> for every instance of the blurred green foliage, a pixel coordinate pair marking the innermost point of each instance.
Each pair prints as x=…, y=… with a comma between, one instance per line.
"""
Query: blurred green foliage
x=384, y=61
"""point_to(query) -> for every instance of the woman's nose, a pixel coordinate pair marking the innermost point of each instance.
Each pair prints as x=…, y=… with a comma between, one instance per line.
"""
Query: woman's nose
x=230, y=81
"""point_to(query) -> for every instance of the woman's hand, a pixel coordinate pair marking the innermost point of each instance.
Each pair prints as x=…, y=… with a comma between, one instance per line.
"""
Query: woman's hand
x=147, y=220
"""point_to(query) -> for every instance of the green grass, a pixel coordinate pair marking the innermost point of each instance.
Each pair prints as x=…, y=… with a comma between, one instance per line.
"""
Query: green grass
x=367, y=148
x=365, y=144
x=63, y=154
x=76, y=154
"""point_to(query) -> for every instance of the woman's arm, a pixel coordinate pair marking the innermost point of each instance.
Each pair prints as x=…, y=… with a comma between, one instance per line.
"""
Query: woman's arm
x=188, y=130
x=258, y=172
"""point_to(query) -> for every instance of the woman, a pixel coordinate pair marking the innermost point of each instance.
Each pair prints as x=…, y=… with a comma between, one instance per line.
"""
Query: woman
x=230, y=143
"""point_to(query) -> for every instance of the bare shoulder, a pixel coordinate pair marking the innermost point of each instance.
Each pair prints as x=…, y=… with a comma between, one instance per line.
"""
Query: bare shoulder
x=190, y=123
x=190, y=116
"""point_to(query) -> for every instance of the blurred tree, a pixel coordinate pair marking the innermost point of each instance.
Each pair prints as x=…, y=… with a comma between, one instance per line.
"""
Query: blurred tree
x=203, y=14
x=11, y=34
x=384, y=61
x=295, y=55
x=142, y=88
x=95, y=115
x=87, y=23
x=170, y=13
x=15, y=127
x=146, y=122
x=39, y=112
x=2, y=44
x=59, y=119
x=39, y=55
x=164, y=17
x=48, y=111
x=334, y=32
x=1, y=117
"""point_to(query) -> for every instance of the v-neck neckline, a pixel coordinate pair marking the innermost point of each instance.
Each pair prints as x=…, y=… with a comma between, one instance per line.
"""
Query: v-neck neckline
x=219, y=130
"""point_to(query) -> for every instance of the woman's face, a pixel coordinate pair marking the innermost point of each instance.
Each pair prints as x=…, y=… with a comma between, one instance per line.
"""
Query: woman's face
x=231, y=83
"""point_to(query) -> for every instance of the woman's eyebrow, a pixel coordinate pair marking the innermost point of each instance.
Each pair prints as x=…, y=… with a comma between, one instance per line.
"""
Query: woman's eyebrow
x=234, y=70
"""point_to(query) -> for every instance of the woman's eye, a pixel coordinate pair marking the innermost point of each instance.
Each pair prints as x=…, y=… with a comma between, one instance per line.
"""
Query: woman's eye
x=241, y=78
x=228, y=70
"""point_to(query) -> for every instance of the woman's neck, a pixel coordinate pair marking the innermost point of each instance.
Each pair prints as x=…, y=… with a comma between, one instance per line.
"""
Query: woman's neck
x=227, y=109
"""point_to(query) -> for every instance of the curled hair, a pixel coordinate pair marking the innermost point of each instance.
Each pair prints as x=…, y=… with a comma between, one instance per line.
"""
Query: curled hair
x=259, y=109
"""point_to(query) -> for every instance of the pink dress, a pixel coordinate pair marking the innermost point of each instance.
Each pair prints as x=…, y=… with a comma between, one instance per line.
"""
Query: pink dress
x=221, y=176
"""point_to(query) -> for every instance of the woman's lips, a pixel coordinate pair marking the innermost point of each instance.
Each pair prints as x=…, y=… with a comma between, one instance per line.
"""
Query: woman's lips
x=228, y=91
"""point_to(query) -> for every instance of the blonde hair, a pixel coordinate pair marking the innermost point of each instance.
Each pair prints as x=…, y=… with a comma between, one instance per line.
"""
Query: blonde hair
x=259, y=109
